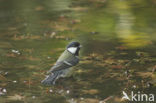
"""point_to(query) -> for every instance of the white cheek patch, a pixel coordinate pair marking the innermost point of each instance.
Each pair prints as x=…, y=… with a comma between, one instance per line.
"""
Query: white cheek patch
x=72, y=50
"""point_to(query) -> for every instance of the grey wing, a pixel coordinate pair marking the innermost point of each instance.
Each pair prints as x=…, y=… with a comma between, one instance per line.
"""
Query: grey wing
x=59, y=66
x=64, y=64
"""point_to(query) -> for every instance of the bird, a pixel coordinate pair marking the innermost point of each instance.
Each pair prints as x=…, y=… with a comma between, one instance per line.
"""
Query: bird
x=62, y=67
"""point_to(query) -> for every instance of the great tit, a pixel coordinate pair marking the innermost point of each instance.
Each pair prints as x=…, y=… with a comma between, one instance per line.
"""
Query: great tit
x=68, y=59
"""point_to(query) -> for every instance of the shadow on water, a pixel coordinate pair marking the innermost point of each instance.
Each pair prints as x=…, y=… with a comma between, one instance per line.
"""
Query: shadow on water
x=118, y=54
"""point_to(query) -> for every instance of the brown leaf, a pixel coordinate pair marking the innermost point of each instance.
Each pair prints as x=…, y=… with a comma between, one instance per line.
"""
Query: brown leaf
x=117, y=67
x=91, y=91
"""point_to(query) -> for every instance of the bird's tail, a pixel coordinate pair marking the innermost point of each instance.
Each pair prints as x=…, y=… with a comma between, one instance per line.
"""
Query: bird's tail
x=50, y=79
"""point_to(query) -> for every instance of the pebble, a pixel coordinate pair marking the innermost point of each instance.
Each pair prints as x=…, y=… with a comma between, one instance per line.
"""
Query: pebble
x=14, y=81
x=60, y=91
x=68, y=91
x=6, y=73
x=134, y=86
x=24, y=81
x=4, y=90
x=126, y=72
x=102, y=102
x=50, y=90
x=52, y=34
x=16, y=52
x=48, y=57
x=94, y=32
x=33, y=97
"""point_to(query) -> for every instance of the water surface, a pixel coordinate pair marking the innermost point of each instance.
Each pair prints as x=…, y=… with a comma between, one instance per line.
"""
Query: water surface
x=118, y=38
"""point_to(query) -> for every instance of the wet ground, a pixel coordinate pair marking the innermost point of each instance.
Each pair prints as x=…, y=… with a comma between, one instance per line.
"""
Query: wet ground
x=118, y=54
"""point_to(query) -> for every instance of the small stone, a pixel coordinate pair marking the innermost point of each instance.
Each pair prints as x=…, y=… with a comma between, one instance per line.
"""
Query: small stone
x=68, y=91
x=52, y=34
x=24, y=81
x=134, y=86
x=60, y=91
x=14, y=81
x=50, y=90
x=81, y=98
x=5, y=73
x=48, y=57
x=4, y=90
x=94, y=32
x=33, y=97
x=15, y=51
x=101, y=102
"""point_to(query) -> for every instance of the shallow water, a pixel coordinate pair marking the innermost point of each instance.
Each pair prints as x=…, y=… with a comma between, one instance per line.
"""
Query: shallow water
x=118, y=54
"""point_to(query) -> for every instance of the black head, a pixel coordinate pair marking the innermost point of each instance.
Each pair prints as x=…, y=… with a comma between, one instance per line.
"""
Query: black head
x=73, y=44
x=74, y=48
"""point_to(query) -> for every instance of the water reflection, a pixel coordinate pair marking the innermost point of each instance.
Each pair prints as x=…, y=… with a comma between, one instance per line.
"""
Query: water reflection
x=125, y=27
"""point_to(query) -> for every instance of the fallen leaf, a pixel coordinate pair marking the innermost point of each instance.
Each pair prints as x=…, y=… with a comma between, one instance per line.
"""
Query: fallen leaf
x=15, y=97
x=91, y=91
